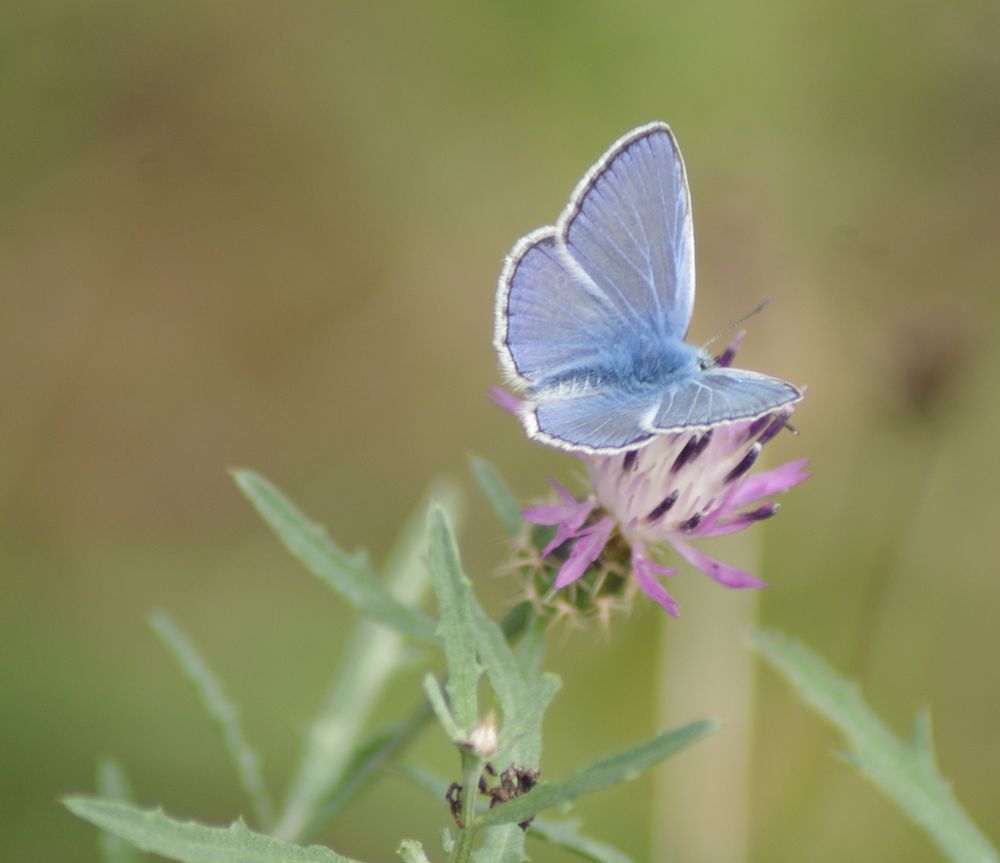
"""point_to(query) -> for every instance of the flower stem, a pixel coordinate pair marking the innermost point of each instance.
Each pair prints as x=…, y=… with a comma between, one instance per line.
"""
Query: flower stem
x=472, y=768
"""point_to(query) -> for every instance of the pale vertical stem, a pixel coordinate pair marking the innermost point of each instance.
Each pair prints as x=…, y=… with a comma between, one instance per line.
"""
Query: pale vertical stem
x=702, y=800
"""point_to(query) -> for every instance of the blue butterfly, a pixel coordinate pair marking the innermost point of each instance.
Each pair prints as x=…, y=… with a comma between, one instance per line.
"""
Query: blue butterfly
x=591, y=313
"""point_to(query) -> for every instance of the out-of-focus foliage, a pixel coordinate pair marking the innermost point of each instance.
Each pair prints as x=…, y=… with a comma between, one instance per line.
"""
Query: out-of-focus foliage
x=268, y=235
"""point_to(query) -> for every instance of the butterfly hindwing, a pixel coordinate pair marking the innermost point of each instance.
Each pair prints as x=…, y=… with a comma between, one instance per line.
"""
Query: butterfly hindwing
x=595, y=421
x=718, y=396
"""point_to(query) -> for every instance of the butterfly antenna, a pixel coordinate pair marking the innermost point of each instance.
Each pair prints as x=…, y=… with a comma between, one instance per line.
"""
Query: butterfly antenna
x=736, y=323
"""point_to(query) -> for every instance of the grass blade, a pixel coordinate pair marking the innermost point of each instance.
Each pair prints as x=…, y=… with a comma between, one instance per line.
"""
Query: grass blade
x=189, y=842
x=349, y=574
x=223, y=713
x=906, y=772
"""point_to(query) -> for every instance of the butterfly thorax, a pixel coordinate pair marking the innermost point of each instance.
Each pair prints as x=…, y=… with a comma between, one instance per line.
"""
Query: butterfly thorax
x=630, y=365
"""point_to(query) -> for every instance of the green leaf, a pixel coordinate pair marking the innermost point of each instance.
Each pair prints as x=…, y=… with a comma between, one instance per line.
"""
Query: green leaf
x=190, y=842
x=456, y=627
x=505, y=505
x=412, y=851
x=600, y=775
x=112, y=784
x=523, y=696
x=904, y=772
x=372, y=659
x=222, y=711
x=349, y=574
x=566, y=834
x=373, y=756
x=439, y=704
x=504, y=844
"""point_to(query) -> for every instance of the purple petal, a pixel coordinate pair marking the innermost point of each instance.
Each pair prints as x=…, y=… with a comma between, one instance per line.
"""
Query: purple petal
x=727, y=576
x=564, y=533
x=726, y=527
x=726, y=357
x=548, y=514
x=740, y=521
x=770, y=482
x=585, y=551
x=562, y=491
x=508, y=401
x=646, y=572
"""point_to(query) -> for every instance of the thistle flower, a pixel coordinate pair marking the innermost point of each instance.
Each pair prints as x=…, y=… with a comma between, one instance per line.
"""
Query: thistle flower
x=675, y=489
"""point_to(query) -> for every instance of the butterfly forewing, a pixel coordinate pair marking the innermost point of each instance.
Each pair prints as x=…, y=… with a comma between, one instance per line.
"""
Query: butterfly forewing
x=553, y=318
x=618, y=268
x=629, y=226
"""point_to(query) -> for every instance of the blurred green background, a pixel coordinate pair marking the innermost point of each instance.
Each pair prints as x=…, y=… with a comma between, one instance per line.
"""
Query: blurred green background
x=268, y=235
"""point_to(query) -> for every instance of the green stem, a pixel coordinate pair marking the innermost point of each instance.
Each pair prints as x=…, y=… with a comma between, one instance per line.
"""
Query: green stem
x=472, y=769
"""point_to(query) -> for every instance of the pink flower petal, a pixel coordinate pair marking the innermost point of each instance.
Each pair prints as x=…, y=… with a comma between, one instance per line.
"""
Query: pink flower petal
x=724, y=528
x=508, y=401
x=727, y=576
x=585, y=551
x=770, y=482
x=547, y=514
x=563, y=492
x=646, y=572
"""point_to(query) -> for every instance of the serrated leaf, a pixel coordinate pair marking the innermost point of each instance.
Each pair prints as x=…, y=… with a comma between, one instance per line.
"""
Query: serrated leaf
x=905, y=772
x=189, y=842
x=522, y=697
x=112, y=784
x=600, y=775
x=221, y=710
x=566, y=834
x=349, y=574
x=504, y=504
x=456, y=627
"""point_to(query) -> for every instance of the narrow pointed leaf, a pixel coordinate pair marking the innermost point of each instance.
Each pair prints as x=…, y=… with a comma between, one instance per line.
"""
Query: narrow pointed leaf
x=349, y=574
x=504, y=504
x=566, y=834
x=602, y=774
x=189, y=842
x=222, y=711
x=439, y=704
x=456, y=627
x=905, y=772
x=112, y=784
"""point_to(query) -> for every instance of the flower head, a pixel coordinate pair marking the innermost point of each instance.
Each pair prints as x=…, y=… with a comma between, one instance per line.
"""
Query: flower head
x=674, y=489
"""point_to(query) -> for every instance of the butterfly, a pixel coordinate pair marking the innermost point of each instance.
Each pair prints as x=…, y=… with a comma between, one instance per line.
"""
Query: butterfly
x=591, y=313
